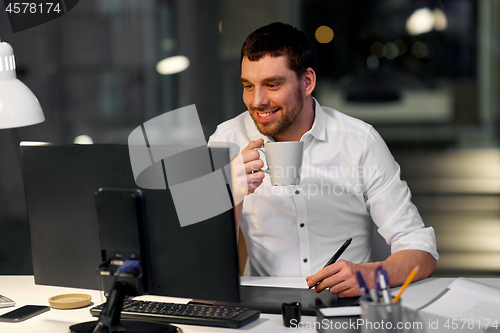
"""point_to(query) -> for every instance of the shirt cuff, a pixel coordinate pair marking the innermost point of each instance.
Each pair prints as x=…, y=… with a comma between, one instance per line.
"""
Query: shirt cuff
x=421, y=239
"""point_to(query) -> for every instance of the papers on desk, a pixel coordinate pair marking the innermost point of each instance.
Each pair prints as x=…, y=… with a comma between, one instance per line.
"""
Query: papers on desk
x=467, y=300
x=341, y=311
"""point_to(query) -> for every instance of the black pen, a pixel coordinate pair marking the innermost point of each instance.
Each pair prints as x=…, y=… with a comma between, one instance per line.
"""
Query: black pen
x=336, y=256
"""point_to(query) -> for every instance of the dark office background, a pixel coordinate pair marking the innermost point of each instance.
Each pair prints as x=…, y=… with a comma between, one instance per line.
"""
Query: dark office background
x=434, y=96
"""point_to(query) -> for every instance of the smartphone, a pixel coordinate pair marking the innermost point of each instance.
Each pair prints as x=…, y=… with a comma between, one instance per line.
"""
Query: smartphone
x=6, y=302
x=23, y=313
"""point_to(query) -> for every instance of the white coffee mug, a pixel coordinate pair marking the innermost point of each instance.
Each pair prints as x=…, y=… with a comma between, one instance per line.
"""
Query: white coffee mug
x=284, y=161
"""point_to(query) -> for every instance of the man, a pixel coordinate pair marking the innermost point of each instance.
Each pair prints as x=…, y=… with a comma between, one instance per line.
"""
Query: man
x=349, y=178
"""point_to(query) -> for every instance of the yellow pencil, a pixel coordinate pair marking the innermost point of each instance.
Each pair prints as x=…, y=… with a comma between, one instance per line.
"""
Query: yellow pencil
x=407, y=282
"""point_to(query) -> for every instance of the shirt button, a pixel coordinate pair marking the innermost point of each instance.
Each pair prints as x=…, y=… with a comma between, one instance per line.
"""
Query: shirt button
x=297, y=192
x=302, y=225
x=305, y=259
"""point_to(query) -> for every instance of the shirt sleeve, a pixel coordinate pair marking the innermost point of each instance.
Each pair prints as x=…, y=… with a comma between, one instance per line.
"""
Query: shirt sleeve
x=216, y=137
x=388, y=199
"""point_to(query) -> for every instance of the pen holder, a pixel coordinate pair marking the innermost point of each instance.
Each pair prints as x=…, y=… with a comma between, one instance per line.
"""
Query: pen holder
x=381, y=317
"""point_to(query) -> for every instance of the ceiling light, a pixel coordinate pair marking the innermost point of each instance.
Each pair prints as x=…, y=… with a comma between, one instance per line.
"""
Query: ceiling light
x=172, y=65
x=421, y=21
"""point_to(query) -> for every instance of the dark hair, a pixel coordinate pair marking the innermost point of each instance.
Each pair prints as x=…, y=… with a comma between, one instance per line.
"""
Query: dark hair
x=280, y=39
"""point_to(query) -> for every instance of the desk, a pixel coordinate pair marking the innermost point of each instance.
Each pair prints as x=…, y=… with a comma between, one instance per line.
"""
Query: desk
x=23, y=290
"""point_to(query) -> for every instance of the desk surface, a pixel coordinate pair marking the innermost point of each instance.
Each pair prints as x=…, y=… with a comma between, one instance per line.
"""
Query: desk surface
x=23, y=290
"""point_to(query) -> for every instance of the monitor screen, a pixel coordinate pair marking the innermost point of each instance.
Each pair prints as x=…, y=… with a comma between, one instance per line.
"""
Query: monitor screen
x=194, y=261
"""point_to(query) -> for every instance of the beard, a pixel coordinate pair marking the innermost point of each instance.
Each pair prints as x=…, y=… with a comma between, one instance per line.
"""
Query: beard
x=281, y=125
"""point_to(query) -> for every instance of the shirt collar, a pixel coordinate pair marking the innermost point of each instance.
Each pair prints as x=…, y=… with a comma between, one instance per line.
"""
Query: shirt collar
x=319, y=127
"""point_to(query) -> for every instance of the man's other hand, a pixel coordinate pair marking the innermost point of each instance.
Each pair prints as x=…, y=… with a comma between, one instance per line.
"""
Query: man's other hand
x=340, y=278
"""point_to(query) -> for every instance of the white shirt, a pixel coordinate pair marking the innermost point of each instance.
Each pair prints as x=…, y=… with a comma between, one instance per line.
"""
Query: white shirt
x=348, y=179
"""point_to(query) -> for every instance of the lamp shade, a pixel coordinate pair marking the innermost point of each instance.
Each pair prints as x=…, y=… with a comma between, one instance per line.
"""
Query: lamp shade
x=18, y=105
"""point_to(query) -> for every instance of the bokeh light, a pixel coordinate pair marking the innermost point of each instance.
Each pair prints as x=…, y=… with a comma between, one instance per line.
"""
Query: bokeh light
x=172, y=65
x=83, y=139
x=324, y=34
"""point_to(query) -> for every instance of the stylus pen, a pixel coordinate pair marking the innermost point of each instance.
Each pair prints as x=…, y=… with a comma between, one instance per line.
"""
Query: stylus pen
x=335, y=257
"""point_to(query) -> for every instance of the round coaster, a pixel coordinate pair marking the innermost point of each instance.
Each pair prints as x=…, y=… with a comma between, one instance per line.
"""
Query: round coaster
x=69, y=301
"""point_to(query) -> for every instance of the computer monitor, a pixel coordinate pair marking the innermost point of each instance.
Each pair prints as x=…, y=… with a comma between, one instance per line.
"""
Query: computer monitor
x=196, y=261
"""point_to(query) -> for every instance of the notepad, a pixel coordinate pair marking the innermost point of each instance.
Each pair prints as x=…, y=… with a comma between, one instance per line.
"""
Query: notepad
x=467, y=300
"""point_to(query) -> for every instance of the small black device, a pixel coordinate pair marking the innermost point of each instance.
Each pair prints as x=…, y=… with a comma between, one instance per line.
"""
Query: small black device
x=291, y=312
x=23, y=313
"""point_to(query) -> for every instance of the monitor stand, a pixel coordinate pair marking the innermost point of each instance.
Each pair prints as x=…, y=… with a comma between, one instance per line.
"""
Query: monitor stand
x=109, y=320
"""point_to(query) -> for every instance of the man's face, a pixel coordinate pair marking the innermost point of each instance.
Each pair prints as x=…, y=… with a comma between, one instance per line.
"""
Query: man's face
x=272, y=93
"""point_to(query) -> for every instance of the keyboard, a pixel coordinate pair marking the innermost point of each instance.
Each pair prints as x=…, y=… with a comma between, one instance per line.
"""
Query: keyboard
x=174, y=313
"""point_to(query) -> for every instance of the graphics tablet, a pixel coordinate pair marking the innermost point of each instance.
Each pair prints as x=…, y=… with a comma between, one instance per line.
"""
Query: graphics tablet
x=270, y=299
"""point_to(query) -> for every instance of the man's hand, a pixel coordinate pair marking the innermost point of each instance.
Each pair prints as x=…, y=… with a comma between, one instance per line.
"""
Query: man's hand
x=252, y=161
x=340, y=277
x=244, y=179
